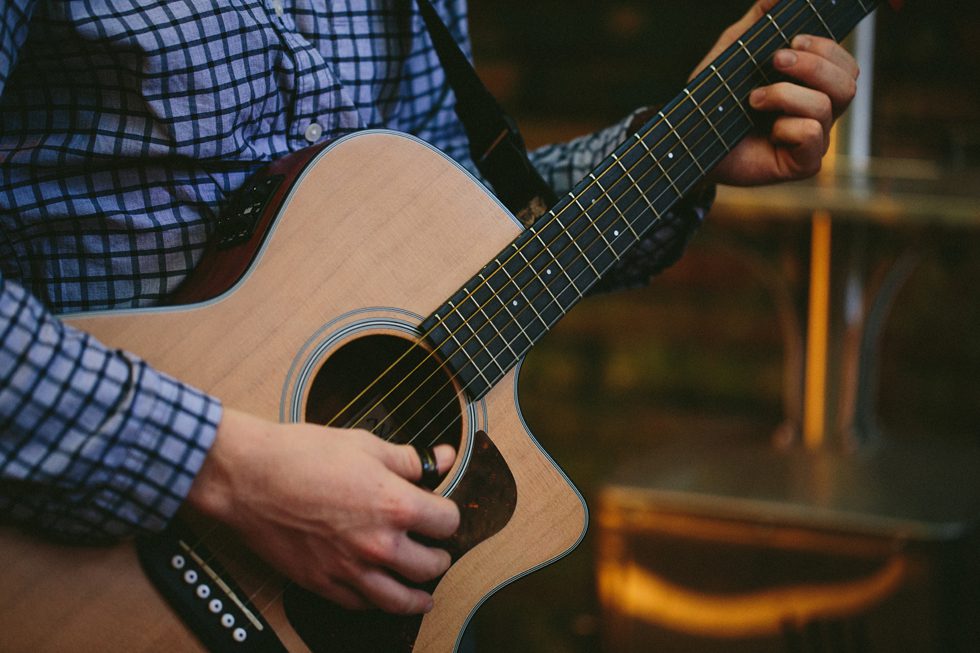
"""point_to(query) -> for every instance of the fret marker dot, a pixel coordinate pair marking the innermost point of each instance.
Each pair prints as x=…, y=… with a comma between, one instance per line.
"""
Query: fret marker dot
x=515, y=302
x=721, y=108
x=670, y=155
x=616, y=232
x=548, y=272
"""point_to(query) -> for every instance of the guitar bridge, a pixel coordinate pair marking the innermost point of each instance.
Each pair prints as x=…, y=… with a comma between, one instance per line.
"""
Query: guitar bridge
x=211, y=605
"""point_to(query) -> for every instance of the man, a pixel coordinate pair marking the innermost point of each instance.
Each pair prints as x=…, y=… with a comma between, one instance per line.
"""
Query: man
x=124, y=126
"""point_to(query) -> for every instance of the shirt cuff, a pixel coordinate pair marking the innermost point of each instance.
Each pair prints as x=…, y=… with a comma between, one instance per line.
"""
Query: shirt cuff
x=169, y=439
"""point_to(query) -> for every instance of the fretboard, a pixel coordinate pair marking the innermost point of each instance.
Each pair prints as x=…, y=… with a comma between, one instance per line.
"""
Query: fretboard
x=484, y=329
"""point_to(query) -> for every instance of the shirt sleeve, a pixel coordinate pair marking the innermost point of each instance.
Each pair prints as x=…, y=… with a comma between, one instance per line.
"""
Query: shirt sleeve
x=14, y=17
x=94, y=443
x=564, y=164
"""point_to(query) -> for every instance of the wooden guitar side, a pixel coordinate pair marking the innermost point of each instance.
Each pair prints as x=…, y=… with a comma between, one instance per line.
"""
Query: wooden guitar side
x=378, y=224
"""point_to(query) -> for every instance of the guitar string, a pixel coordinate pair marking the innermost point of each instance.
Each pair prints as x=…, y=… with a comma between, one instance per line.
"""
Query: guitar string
x=470, y=295
x=215, y=552
x=761, y=24
x=541, y=294
x=690, y=165
x=545, y=286
x=288, y=583
x=531, y=304
x=271, y=577
x=503, y=373
x=628, y=208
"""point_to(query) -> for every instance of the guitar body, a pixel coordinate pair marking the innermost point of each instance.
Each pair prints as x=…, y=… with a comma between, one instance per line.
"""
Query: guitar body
x=315, y=312
x=372, y=234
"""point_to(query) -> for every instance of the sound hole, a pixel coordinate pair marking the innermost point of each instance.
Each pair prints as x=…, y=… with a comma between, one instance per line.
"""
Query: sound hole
x=390, y=386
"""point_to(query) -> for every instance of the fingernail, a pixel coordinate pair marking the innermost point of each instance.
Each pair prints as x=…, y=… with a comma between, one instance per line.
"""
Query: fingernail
x=802, y=42
x=757, y=96
x=785, y=58
x=429, y=606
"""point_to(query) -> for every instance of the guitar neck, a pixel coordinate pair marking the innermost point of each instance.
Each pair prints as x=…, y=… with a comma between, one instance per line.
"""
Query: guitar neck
x=484, y=329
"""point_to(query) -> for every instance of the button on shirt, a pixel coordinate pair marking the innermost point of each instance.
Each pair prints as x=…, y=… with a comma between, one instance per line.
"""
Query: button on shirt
x=125, y=126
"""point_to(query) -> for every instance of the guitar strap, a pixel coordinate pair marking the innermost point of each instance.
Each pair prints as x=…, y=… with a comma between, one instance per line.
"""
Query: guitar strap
x=495, y=142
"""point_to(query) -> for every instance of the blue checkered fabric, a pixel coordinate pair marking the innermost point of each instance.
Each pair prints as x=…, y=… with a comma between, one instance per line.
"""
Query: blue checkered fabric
x=125, y=125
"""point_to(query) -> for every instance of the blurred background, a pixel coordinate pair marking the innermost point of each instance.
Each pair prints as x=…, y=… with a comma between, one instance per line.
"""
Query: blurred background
x=676, y=390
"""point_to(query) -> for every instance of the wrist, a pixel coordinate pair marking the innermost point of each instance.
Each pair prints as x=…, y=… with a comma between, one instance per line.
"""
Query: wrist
x=212, y=492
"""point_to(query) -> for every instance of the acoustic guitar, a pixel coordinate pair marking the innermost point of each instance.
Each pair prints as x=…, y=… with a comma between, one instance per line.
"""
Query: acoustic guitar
x=372, y=282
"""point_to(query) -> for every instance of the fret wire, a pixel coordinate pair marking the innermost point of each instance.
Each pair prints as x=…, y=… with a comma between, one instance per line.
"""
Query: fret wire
x=647, y=148
x=596, y=227
x=566, y=269
x=555, y=260
x=536, y=275
x=509, y=282
x=495, y=380
x=572, y=240
x=531, y=303
x=580, y=274
x=479, y=340
x=694, y=160
x=520, y=291
x=480, y=307
x=635, y=185
x=730, y=91
x=656, y=159
x=708, y=120
x=604, y=191
x=500, y=375
x=554, y=299
x=463, y=351
x=634, y=202
x=628, y=187
x=754, y=62
x=778, y=29
x=745, y=49
x=681, y=140
x=822, y=22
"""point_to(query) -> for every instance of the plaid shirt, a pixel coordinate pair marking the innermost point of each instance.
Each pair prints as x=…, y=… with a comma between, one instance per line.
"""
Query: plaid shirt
x=124, y=127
